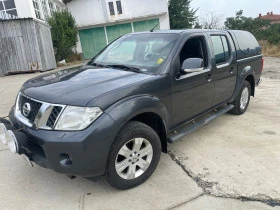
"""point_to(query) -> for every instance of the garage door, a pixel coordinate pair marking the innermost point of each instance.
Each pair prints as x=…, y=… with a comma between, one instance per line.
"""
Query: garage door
x=113, y=32
x=146, y=25
x=92, y=40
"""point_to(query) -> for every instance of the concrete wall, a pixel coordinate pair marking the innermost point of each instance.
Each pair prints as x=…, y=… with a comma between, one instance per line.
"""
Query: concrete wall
x=25, y=8
x=88, y=12
x=96, y=12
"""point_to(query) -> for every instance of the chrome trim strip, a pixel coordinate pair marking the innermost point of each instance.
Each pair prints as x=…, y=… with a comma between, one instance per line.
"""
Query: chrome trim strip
x=193, y=74
x=42, y=116
x=256, y=56
x=18, y=114
x=62, y=110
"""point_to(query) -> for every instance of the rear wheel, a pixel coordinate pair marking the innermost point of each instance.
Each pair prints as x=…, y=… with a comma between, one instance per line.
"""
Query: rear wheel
x=134, y=156
x=242, y=101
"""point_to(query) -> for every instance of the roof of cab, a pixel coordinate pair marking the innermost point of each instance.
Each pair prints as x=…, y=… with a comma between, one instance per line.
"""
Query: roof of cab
x=181, y=31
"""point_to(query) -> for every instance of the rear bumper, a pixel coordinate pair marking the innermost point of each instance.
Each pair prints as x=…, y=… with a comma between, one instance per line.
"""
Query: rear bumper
x=88, y=150
x=258, y=83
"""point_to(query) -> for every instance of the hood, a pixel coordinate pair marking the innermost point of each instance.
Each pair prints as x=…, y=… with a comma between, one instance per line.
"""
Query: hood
x=79, y=86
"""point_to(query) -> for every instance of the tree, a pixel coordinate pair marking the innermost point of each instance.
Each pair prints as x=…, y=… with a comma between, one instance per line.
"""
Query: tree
x=180, y=14
x=211, y=20
x=197, y=25
x=255, y=25
x=272, y=34
x=64, y=33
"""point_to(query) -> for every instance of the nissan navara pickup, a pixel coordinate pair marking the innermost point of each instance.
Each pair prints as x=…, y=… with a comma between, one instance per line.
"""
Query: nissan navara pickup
x=115, y=115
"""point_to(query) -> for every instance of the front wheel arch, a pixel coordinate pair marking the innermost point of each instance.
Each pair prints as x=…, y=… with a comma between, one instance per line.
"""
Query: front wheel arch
x=156, y=123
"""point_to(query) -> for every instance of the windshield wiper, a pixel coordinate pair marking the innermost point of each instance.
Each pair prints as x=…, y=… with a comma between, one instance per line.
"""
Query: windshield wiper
x=97, y=64
x=128, y=68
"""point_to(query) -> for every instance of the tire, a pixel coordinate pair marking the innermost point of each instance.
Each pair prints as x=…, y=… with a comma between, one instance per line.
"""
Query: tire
x=241, y=103
x=122, y=155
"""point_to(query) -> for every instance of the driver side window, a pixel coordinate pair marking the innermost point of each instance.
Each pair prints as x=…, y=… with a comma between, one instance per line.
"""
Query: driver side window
x=194, y=47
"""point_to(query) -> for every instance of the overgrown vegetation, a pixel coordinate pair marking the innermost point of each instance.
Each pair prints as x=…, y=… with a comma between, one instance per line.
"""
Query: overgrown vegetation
x=255, y=25
x=271, y=34
x=180, y=14
x=270, y=49
x=64, y=34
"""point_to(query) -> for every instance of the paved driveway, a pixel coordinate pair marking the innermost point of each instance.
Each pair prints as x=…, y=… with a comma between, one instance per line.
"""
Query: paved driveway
x=232, y=163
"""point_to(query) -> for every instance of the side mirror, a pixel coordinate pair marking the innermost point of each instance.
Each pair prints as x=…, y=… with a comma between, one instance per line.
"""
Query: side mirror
x=192, y=65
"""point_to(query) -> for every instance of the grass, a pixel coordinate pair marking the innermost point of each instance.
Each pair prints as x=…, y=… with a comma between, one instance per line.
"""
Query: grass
x=270, y=49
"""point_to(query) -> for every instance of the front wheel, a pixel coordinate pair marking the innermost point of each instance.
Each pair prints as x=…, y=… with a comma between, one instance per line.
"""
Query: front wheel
x=242, y=101
x=134, y=156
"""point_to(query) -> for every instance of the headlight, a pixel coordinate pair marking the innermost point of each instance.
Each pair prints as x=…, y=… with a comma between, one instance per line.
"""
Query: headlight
x=77, y=118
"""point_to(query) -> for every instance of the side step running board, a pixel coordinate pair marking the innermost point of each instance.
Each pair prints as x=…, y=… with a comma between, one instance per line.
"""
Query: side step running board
x=198, y=124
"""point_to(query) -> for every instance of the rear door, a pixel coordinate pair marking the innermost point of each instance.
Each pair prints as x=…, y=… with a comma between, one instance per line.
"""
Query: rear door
x=224, y=66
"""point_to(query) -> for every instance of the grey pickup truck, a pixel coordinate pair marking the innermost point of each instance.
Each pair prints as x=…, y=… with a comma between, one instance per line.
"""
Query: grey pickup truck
x=115, y=115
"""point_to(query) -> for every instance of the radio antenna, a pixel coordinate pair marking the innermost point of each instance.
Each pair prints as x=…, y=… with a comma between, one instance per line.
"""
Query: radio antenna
x=152, y=30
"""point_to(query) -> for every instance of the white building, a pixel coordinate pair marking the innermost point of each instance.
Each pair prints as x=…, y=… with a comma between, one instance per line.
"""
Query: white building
x=37, y=9
x=102, y=21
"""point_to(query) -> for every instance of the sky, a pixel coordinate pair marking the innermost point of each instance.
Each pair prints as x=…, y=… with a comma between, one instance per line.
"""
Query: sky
x=251, y=8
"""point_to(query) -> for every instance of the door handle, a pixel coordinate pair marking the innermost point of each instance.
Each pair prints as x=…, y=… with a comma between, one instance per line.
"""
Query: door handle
x=209, y=77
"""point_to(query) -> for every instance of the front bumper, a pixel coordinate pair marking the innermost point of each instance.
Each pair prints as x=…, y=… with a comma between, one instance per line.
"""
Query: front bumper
x=88, y=150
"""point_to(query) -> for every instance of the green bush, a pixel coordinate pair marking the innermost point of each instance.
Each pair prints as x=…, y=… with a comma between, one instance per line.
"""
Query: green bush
x=64, y=33
x=272, y=34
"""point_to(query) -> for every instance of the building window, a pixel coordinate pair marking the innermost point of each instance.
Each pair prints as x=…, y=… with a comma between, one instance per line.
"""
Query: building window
x=1, y=6
x=51, y=6
x=57, y=8
x=111, y=8
x=45, y=9
x=119, y=7
x=37, y=9
x=8, y=9
x=9, y=4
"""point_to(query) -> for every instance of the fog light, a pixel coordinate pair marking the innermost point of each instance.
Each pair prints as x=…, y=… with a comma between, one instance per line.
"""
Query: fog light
x=3, y=131
x=12, y=141
x=65, y=160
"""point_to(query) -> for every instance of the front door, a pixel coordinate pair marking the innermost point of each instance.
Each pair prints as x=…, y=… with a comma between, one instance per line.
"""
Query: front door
x=192, y=92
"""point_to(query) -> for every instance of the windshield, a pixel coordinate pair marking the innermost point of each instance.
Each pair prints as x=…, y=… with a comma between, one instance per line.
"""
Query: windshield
x=146, y=52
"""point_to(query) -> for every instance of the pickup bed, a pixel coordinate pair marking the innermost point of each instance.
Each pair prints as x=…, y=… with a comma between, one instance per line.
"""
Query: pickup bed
x=115, y=115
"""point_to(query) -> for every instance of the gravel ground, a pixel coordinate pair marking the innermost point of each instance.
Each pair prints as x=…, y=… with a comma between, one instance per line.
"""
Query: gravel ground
x=272, y=68
x=232, y=163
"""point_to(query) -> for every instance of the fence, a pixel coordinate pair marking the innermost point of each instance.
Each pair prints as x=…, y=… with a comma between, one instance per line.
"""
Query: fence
x=25, y=45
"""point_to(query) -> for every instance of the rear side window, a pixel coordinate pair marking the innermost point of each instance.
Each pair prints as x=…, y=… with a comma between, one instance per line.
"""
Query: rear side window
x=244, y=40
x=221, y=49
x=247, y=44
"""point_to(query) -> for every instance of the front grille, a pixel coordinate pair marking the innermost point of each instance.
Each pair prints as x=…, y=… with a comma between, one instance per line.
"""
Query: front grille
x=53, y=117
x=34, y=105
